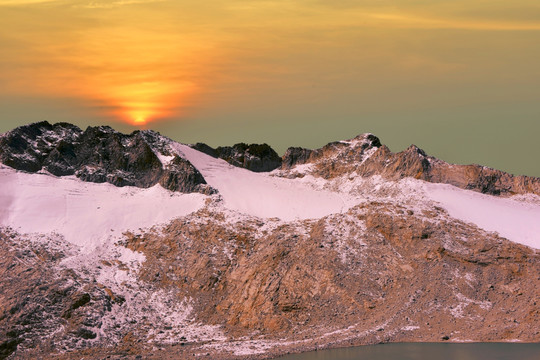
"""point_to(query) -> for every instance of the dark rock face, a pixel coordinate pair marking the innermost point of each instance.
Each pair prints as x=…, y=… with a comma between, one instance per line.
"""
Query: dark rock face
x=208, y=150
x=27, y=147
x=254, y=157
x=296, y=156
x=98, y=154
x=104, y=155
x=181, y=176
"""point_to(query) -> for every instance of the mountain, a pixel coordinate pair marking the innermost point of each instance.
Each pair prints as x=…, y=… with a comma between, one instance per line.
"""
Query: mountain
x=99, y=154
x=136, y=246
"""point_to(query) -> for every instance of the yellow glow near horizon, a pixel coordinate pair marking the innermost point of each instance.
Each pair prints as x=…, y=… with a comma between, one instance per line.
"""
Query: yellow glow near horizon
x=139, y=120
x=117, y=57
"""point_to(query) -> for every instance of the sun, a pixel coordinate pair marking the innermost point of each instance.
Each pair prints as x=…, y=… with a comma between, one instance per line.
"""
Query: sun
x=139, y=120
x=138, y=115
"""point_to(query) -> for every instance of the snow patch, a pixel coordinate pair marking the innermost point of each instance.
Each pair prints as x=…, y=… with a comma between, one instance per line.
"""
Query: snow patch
x=410, y=328
x=260, y=194
x=239, y=348
x=86, y=214
x=517, y=219
x=165, y=160
x=459, y=310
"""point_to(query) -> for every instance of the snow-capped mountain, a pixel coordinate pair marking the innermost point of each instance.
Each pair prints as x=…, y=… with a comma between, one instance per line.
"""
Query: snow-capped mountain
x=136, y=244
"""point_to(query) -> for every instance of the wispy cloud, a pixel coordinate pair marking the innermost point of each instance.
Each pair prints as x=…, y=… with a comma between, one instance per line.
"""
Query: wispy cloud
x=113, y=4
x=78, y=4
x=24, y=2
x=424, y=22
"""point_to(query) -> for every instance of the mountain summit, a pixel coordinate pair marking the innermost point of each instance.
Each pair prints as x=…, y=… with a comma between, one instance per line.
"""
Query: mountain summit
x=145, y=158
x=139, y=246
x=99, y=154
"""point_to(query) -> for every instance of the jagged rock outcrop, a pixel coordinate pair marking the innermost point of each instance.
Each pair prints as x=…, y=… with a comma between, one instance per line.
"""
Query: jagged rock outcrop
x=402, y=264
x=365, y=156
x=335, y=157
x=45, y=299
x=99, y=154
x=26, y=147
x=383, y=273
x=254, y=157
x=414, y=162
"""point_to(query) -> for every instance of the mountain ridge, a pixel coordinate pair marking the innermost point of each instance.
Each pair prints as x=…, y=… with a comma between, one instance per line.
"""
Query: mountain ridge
x=98, y=154
x=65, y=152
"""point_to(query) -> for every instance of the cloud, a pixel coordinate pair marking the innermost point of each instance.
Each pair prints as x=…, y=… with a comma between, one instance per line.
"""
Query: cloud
x=412, y=21
x=24, y=2
x=78, y=4
x=113, y=4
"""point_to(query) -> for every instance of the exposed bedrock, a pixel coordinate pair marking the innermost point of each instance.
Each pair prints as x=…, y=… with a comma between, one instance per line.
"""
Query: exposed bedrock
x=367, y=157
x=254, y=157
x=99, y=154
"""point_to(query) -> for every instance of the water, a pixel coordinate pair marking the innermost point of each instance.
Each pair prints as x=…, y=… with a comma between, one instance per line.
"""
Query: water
x=427, y=351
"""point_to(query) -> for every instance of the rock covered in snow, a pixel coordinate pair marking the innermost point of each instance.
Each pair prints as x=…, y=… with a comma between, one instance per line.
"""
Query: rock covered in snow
x=28, y=147
x=99, y=154
x=365, y=156
x=145, y=158
x=334, y=158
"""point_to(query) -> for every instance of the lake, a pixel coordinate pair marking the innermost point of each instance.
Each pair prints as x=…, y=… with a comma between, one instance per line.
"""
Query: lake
x=427, y=351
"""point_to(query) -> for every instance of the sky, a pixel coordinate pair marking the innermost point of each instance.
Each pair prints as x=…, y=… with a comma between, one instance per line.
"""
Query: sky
x=458, y=78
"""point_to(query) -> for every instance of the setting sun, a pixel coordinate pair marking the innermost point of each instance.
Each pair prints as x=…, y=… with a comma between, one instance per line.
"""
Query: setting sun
x=130, y=72
x=139, y=121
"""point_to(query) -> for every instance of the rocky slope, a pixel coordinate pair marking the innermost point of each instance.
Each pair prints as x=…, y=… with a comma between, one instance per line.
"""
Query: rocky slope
x=365, y=156
x=331, y=249
x=254, y=157
x=99, y=154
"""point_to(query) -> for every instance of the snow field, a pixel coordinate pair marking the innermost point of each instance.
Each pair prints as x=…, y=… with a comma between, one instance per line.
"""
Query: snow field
x=515, y=220
x=86, y=214
x=262, y=195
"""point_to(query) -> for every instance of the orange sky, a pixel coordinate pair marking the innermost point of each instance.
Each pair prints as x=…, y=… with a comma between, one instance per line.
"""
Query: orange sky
x=242, y=67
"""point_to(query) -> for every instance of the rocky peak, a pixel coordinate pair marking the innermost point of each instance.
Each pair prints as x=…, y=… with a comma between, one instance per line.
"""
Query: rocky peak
x=100, y=154
x=296, y=156
x=365, y=156
x=413, y=149
x=388, y=263
x=335, y=157
x=101, y=130
x=25, y=147
x=145, y=158
x=254, y=157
